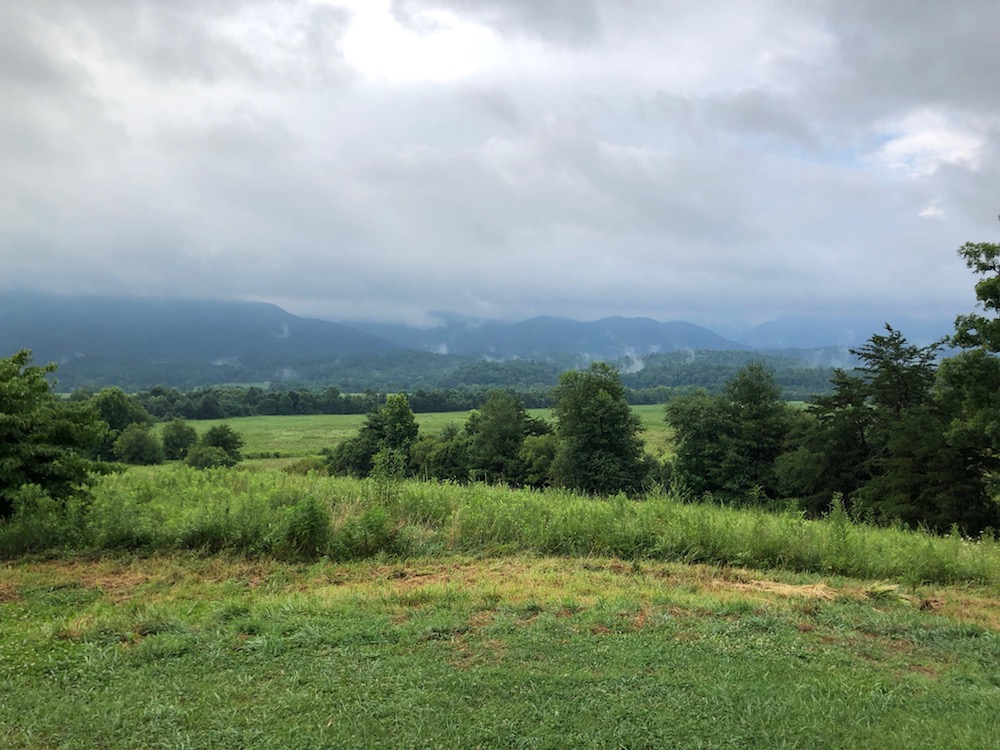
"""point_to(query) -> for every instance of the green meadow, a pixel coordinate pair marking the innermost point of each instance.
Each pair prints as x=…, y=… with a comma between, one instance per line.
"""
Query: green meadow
x=249, y=607
x=302, y=436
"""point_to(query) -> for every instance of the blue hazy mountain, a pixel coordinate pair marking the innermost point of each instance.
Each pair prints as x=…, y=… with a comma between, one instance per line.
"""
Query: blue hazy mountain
x=63, y=329
x=809, y=332
x=607, y=338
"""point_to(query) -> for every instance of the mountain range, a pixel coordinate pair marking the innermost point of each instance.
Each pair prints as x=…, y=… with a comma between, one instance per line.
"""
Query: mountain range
x=195, y=342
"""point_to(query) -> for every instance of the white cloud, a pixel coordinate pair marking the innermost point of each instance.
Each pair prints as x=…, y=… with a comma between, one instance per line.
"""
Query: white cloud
x=436, y=46
x=500, y=158
x=922, y=141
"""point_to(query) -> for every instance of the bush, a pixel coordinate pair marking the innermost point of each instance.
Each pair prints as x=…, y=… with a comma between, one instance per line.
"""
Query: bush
x=306, y=530
x=208, y=457
x=225, y=437
x=138, y=445
x=365, y=536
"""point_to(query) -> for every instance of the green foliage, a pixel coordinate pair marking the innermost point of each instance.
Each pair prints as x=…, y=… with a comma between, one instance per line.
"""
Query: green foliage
x=305, y=532
x=178, y=437
x=728, y=445
x=250, y=513
x=977, y=330
x=226, y=438
x=364, y=535
x=899, y=442
x=118, y=410
x=43, y=441
x=443, y=456
x=201, y=456
x=137, y=444
x=538, y=452
x=599, y=450
x=497, y=432
x=390, y=430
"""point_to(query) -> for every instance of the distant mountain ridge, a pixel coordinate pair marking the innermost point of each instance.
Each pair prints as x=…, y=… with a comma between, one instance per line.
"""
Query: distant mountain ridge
x=810, y=332
x=63, y=329
x=607, y=338
x=140, y=342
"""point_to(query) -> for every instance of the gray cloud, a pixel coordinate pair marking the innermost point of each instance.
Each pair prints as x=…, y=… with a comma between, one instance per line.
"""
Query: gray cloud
x=600, y=158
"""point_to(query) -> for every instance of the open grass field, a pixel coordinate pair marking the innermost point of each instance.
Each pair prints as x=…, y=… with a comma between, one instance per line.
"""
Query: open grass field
x=177, y=609
x=300, y=436
x=498, y=652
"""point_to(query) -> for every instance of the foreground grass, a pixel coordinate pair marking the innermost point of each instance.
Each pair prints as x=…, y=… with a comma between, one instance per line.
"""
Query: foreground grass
x=459, y=652
x=275, y=514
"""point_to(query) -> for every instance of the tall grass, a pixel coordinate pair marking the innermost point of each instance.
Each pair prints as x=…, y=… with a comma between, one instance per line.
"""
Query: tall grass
x=292, y=517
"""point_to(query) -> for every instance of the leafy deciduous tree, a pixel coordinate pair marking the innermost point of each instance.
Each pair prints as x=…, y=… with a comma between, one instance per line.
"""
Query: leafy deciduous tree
x=43, y=441
x=599, y=450
x=137, y=444
x=178, y=437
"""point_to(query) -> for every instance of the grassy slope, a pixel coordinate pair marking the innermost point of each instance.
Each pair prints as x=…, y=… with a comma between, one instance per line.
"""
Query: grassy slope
x=507, y=652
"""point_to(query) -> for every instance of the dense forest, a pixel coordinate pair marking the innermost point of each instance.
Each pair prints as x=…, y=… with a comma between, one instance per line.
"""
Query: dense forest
x=654, y=380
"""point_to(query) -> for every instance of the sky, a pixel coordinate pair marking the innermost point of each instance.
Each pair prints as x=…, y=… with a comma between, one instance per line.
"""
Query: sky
x=718, y=162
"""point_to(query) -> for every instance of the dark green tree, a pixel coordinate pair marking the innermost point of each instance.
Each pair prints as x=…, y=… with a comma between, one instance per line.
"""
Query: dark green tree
x=201, y=456
x=901, y=440
x=729, y=444
x=497, y=435
x=703, y=428
x=537, y=455
x=979, y=330
x=118, y=410
x=389, y=430
x=43, y=441
x=178, y=437
x=138, y=444
x=444, y=456
x=829, y=451
x=227, y=439
x=600, y=450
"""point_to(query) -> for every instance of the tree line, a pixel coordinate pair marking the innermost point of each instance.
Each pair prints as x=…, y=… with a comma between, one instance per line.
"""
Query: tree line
x=593, y=445
x=661, y=378
x=907, y=437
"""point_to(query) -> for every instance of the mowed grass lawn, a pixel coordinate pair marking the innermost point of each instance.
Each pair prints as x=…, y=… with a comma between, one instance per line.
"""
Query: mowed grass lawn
x=301, y=436
x=509, y=652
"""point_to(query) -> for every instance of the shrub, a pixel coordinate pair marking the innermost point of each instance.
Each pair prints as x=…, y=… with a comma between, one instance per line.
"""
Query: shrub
x=306, y=529
x=365, y=536
x=208, y=457
x=138, y=445
x=225, y=437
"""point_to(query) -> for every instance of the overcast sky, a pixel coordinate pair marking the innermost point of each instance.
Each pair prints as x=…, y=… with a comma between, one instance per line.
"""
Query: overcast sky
x=365, y=159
